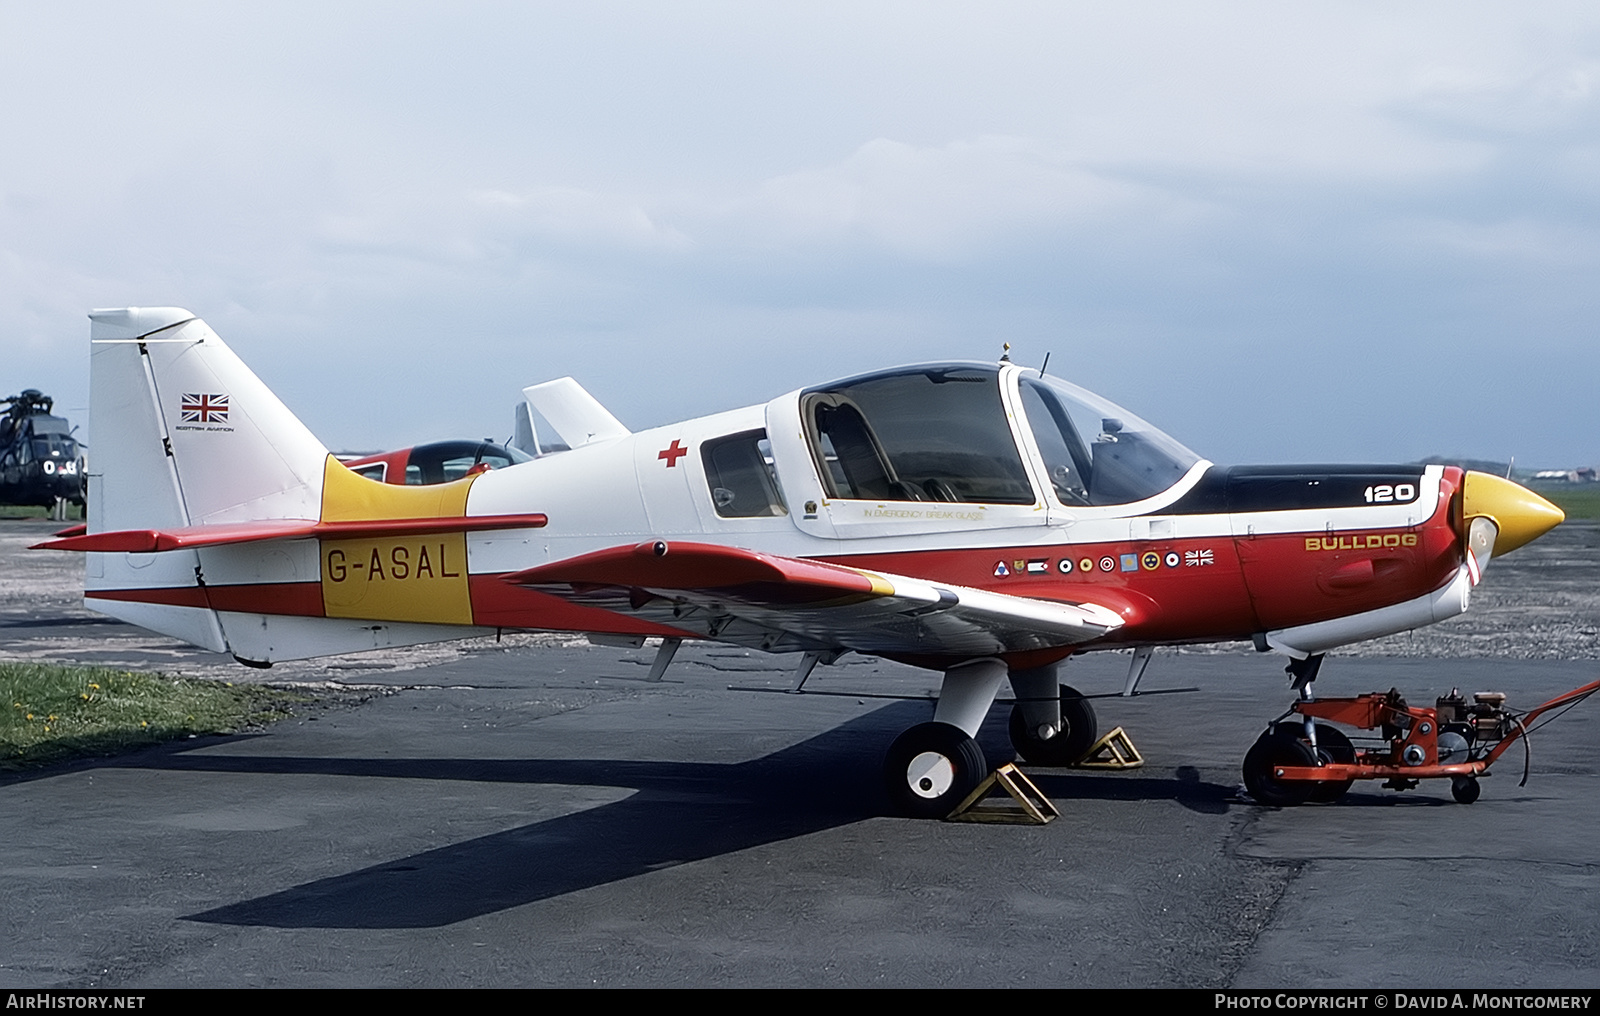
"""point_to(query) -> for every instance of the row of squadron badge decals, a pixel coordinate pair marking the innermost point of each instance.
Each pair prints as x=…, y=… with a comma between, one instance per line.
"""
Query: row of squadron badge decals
x=1150, y=560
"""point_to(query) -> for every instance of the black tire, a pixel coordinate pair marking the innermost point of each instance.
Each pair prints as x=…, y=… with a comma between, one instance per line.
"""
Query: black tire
x=931, y=768
x=1465, y=789
x=1332, y=746
x=1079, y=729
x=1271, y=751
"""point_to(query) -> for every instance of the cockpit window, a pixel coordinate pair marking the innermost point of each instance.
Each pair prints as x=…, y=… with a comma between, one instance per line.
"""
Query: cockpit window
x=935, y=433
x=1096, y=452
x=740, y=473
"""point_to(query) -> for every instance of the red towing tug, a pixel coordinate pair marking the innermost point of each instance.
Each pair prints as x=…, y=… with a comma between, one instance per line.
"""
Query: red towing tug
x=1296, y=761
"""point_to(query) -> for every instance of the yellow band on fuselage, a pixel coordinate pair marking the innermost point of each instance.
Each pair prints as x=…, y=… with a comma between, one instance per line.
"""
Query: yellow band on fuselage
x=396, y=578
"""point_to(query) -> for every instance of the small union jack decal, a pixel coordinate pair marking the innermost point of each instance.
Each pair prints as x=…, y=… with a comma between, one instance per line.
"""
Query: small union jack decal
x=1198, y=558
x=204, y=408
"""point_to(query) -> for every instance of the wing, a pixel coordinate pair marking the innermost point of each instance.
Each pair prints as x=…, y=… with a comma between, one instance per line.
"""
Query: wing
x=785, y=604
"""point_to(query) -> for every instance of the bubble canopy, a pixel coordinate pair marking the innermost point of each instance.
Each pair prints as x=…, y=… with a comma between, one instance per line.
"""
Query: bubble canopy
x=1095, y=452
x=942, y=432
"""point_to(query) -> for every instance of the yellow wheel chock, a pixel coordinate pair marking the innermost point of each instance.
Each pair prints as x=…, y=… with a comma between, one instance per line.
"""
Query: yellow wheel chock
x=1032, y=807
x=1113, y=751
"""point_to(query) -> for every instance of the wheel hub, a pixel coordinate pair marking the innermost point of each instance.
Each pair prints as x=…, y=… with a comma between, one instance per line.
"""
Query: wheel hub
x=930, y=774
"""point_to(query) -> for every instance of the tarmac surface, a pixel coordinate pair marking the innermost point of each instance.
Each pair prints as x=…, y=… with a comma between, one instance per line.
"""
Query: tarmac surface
x=534, y=813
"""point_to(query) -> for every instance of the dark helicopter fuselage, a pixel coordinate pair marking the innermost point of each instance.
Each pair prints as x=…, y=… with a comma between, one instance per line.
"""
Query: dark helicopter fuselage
x=41, y=463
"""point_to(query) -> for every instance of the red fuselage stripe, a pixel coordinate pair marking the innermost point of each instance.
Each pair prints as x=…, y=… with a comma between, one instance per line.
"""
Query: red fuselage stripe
x=179, y=596
x=300, y=599
x=496, y=604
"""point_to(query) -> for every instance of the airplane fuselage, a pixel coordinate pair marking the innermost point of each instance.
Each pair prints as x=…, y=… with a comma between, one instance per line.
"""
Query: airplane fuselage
x=1220, y=554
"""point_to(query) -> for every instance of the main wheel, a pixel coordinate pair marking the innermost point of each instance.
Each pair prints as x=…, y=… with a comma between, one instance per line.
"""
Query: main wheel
x=931, y=768
x=1079, y=728
x=1272, y=751
x=1465, y=789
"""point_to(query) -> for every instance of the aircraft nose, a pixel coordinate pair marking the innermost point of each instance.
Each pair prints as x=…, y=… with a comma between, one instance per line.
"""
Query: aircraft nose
x=1520, y=515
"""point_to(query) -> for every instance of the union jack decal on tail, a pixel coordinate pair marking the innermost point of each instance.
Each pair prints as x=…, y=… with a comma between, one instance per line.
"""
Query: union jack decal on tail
x=204, y=408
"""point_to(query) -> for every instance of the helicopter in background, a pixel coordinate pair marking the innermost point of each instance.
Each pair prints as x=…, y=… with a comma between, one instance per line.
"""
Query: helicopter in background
x=41, y=463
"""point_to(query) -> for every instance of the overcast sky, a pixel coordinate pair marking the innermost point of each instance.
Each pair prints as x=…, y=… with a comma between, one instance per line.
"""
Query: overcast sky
x=1282, y=232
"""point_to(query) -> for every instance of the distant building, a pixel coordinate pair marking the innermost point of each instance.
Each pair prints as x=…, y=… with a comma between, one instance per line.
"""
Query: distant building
x=1583, y=474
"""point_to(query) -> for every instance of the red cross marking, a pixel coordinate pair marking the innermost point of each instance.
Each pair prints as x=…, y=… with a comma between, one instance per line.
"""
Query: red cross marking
x=673, y=453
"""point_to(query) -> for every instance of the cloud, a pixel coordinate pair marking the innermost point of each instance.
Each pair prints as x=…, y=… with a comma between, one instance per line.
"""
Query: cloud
x=1510, y=102
x=940, y=202
x=575, y=216
x=698, y=203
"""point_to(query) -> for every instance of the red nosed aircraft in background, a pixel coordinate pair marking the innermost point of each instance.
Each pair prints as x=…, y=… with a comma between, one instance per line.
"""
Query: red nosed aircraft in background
x=435, y=462
x=984, y=520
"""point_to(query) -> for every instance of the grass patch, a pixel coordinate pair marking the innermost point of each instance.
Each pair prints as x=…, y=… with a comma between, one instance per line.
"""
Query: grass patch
x=51, y=712
x=1579, y=501
x=23, y=511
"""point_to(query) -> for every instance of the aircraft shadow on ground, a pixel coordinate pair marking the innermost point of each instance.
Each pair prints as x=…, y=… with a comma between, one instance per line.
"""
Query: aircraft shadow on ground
x=1185, y=787
x=681, y=812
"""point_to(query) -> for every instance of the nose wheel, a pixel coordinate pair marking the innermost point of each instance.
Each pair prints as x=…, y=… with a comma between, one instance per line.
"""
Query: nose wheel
x=931, y=768
x=1276, y=750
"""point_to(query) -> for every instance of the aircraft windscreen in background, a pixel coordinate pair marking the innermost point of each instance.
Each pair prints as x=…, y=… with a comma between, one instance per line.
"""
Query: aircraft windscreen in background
x=435, y=462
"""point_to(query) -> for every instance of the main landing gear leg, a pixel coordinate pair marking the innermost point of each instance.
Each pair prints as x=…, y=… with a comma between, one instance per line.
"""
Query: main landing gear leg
x=1051, y=724
x=932, y=767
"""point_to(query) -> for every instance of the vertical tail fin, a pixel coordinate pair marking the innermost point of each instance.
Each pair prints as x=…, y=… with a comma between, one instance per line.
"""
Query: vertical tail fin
x=185, y=434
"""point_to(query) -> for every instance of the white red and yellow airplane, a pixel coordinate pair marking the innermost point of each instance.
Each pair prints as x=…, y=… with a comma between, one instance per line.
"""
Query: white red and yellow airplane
x=984, y=520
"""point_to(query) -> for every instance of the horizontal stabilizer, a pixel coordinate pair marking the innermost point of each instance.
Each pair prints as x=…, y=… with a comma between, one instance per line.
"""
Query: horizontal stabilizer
x=149, y=541
x=782, y=604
